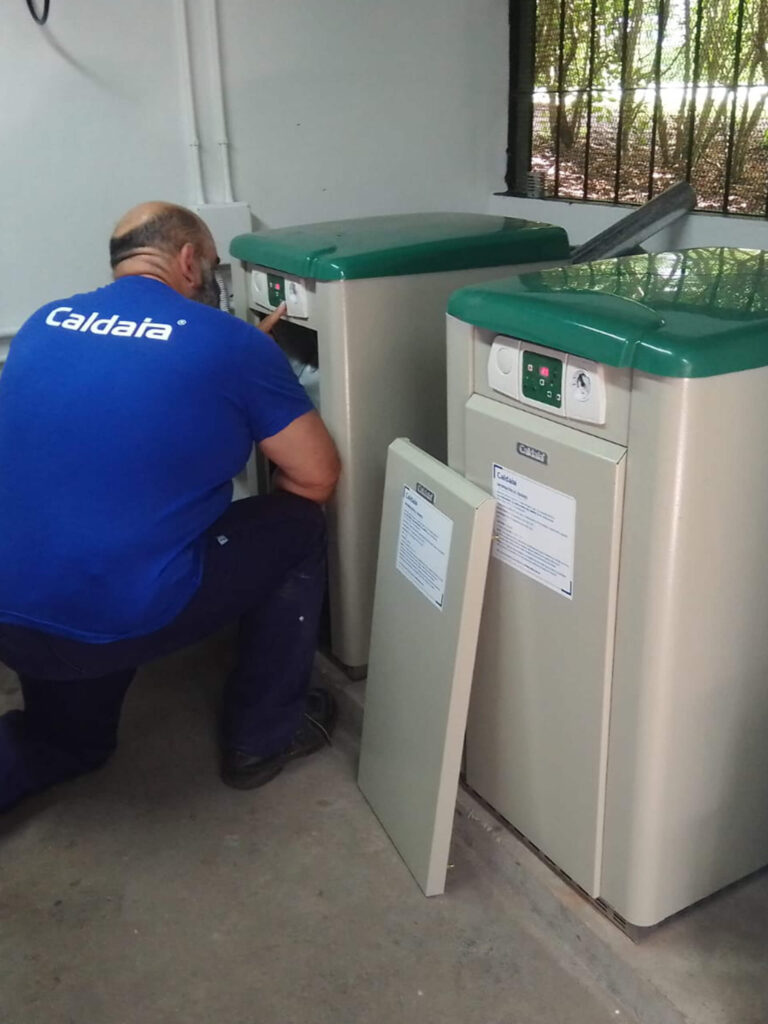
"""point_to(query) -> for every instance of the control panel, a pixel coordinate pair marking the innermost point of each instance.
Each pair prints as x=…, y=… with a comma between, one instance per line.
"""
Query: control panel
x=268, y=290
x=542, y=378
x=557, y=382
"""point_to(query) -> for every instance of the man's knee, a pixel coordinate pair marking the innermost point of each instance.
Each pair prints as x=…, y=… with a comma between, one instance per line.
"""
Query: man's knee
x=91, y=758
x=80, y=746
x=307, y=519
x=31, y=758
x=278, y=508
x=315, y=521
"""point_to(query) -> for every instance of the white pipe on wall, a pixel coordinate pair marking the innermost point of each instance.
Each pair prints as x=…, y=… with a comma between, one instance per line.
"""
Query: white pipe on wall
x=218, y=90
x=188, y=99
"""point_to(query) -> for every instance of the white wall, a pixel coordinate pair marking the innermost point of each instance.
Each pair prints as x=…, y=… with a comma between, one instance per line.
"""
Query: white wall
x=353, y=107
x=583, y=220
x=85, y=129
x=335, y=108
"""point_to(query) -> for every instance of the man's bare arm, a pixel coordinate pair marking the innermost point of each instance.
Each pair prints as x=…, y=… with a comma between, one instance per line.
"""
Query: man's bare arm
x=306, y=458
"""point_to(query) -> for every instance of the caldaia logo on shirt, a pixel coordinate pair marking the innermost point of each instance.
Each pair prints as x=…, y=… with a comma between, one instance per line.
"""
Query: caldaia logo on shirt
x=95, y=323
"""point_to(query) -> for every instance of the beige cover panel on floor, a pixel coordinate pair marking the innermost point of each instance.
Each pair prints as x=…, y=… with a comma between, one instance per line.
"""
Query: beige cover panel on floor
x=433, y=558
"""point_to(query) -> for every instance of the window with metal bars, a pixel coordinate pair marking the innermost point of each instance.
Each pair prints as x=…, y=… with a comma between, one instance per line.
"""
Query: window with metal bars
x=614, y=100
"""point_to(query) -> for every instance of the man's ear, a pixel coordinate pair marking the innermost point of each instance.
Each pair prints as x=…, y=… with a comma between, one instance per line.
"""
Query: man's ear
x=189, y=264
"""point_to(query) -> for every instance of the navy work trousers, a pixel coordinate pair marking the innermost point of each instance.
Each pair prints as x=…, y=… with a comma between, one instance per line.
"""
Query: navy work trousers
x=264, y=565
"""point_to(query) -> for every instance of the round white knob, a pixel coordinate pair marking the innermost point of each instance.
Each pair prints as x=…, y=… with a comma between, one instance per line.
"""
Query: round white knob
x=505, y=359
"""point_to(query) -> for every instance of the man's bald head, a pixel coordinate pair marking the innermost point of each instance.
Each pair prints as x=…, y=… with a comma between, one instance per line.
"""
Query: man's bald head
x=169, y=243
x=157, y=227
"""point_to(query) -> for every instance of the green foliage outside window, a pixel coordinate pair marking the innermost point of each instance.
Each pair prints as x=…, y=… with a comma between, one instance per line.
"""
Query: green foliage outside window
x=632, y=95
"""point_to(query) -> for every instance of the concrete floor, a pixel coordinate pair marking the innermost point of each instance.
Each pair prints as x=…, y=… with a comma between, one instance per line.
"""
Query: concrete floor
x=705, y=965
x=149, y=892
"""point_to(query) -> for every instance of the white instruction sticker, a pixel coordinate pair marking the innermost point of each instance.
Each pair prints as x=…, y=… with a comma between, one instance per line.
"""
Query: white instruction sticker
x=423, y=546
x=535, y=529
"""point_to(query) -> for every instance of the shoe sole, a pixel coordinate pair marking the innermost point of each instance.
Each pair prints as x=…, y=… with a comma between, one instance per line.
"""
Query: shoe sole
x=253, y=781
x=261, y=778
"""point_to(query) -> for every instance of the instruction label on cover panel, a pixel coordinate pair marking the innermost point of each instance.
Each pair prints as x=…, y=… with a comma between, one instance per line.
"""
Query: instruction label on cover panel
x=423, y=546
x=535, y=529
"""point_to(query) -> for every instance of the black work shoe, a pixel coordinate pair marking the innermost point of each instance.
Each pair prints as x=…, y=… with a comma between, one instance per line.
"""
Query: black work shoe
x=247, y=771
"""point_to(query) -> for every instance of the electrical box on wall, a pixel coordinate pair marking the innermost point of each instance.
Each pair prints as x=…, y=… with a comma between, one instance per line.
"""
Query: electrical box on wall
x=225, y=220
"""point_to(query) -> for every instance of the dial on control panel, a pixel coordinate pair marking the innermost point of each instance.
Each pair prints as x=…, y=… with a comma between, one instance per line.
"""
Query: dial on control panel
x=585, y=398
x=581, y=383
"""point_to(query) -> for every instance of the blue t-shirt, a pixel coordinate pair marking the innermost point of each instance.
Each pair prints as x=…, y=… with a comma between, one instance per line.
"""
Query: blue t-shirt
x=124, y=415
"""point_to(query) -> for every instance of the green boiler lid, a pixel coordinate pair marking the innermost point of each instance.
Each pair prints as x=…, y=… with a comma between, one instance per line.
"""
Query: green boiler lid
x=689, y=313
x=392, y=246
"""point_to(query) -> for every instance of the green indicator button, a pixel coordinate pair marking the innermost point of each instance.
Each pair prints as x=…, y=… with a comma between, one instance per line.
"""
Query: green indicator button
x=542, y=378
x=275, y=289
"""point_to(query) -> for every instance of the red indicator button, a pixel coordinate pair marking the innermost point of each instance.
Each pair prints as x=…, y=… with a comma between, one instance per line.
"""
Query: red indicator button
x=544, y=371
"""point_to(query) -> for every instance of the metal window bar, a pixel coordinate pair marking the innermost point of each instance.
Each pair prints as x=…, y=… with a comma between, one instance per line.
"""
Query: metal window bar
x=590, y=93
x=620, y=126
x=560, y=94
x=718, y=142
x=694, y=86
x=734, y=101
x=660, y=25
x=522, y=50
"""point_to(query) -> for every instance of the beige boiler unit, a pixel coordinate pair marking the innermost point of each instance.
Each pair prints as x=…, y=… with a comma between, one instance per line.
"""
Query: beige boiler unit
x=618, y=413
x=365, y=329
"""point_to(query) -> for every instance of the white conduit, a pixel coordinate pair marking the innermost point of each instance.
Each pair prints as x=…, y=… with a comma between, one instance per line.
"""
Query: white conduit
x=188, y=99
x=218, y=88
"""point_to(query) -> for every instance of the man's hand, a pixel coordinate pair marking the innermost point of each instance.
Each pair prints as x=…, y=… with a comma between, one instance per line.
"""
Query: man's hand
x=306, y=458
x=268, y=323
